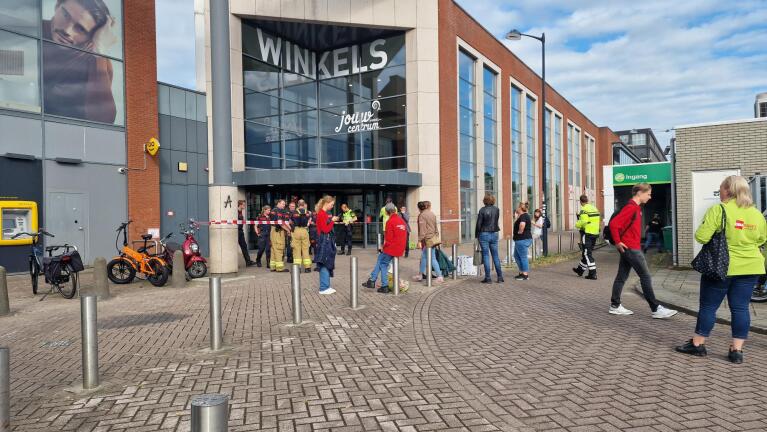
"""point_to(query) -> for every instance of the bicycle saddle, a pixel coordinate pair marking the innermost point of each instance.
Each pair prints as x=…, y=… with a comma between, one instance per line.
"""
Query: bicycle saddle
x=146, y=236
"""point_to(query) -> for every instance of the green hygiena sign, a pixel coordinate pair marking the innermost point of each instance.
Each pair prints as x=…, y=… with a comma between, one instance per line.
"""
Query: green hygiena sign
x=652, y=173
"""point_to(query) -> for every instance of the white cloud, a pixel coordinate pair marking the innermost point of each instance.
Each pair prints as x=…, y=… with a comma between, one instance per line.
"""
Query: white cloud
x=175, y=42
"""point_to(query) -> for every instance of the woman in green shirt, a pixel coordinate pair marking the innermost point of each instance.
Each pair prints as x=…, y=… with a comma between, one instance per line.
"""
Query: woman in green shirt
x=746, y=231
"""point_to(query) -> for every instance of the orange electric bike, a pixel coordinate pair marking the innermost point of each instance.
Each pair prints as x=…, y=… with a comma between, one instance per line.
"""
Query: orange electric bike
x=136, y=262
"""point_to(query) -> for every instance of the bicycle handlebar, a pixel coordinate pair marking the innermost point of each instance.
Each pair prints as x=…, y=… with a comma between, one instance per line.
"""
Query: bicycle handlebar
x=123, y=225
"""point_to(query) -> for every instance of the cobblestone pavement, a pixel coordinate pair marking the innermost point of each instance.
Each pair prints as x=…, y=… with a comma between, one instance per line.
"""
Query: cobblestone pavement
x=536, y=355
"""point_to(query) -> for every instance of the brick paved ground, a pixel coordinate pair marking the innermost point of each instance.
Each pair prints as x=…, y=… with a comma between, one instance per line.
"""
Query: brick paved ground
x=540, y=355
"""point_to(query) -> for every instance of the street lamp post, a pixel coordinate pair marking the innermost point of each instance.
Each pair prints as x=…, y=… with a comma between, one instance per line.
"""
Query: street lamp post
x=517, y=35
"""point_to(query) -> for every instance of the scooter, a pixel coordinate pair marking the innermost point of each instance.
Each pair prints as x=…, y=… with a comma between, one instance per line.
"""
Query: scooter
x=195, y=264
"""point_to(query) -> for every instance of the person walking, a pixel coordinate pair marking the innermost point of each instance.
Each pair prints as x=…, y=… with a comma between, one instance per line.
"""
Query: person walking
x=486, y=231
x=626, y=232
x=241, y=233
x=279, y=215
x=348, y=217
x=325, y=256
x=745, y=230
x=299, y=219
x=523, y=238
x=263, y=230
x=588, y=225
x=428, y=238
x=653, y=234
x=537, y=230
x=393, y=246
x=406, y=217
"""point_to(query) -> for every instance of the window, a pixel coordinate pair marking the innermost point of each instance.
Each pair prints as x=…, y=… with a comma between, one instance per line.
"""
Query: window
x=547, y=149
x=570, y=133
x=531, y=146
x=19, y=74
x=516, y=145
x=763, y=109
x=20, y=16
x=490, y=131
x=590, y=168
x=558, y=205
x=577, y=159
x=467, y=142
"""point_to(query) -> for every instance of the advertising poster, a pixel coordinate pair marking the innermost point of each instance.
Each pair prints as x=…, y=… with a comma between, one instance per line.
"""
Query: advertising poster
x=705, y=193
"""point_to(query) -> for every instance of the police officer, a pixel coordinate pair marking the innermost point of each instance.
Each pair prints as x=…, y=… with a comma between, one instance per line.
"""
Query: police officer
x=263, y=232
x=241, y=232
x=300, y=236
x=588, y=225
x=278, y=235
x=348, y=218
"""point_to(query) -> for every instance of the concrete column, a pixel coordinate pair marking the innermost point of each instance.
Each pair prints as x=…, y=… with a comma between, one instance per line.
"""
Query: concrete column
x=223, y=238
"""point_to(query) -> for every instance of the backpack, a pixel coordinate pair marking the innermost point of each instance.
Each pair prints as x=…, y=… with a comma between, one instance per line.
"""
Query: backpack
x=547, y=222
x=607, y=235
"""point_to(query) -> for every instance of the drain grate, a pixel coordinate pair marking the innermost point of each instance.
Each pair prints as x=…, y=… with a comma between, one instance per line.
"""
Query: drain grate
x=56, y=344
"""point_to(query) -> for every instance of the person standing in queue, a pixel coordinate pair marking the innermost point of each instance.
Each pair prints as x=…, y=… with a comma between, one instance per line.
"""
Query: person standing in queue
x=393, y=246
x=486, y=231
x=348, y=217
x=406, y=217
x=300, y=236
x=523, y=238
x=263, y=231
x=588, y=225
x=428, y=238
x=241, y=233
x=325, y=257
x=279, y=234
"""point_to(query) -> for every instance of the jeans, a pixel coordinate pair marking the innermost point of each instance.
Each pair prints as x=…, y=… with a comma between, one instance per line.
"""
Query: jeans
x=651, y=239
x=324, y=277
x=633, y=259
x=488, y=241
x=382, y=267
x=520, y=254
x=434, y=262
x=738, y=291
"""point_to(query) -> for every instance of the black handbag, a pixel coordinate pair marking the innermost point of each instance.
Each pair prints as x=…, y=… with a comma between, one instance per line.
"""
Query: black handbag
x=713, y=260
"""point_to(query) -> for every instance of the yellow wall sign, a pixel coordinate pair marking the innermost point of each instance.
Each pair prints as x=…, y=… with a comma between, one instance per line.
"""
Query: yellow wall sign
x=153, y=146
x=18, y=217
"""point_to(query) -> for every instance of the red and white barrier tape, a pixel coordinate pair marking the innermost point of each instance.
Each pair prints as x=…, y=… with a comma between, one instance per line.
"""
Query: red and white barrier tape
x=258, y=222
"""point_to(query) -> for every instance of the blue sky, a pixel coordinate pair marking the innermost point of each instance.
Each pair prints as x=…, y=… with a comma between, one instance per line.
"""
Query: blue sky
x=624, y=63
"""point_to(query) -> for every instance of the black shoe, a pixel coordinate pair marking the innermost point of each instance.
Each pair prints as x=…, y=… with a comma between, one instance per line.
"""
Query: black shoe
x=522, y=277
x=592, y=275
x=383, y=290
x=735, y=356
x=578, y=271
x=307, y=270
x=341, y=253
x=487, y=280
x=500, y=280
x=316, y=269
x=258, y=263
x=250, y=264
x=369, y=284
x=690, y=348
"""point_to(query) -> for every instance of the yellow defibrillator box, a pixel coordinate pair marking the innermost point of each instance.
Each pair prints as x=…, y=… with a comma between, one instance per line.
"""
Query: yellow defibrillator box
x=17, y=217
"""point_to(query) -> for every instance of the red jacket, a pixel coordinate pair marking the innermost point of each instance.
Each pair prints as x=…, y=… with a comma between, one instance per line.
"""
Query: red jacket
x=626, y=226
x=395, y=236
x=324, y=222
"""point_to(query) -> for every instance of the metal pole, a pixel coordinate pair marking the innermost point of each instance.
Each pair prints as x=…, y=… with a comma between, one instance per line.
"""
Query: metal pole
x=535, y=252
x=509, y=251
x=455, y=261
x=559, y=243
x=210, y=413
x=544, y=156
x=572, y=240
x=90, y=341
x=5, y=389
x=5, y=306
x=295, y=285
x=395, y=276
x=216, y=331
x=353, y=298
x=221, y=92
x=428, y=266
x=378, y=242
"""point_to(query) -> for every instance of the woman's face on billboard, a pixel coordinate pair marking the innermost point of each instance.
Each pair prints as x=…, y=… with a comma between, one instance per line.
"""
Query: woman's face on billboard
x=72, y=24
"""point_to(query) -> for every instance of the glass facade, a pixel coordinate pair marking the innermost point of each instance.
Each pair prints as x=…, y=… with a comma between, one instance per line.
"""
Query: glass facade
x=558, y=204
x=530, y=111
x=516, y=146
x=577, y=159
x=467, y=113
x=547, y=148
x=490, y=130
x=80, y=74
x=570, y=133
x=338, y=109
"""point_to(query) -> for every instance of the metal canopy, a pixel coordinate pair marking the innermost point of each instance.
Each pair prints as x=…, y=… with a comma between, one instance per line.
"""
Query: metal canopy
x=318, y=176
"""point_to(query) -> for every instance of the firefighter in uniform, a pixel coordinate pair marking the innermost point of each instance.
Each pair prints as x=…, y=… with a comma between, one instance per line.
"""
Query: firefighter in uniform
x=263, y=232
x=588, y=225
x=278, y=235
x=300, y=237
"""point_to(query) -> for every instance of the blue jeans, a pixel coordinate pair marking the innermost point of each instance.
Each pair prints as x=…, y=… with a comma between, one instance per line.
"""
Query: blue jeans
x=520, y=254
x=324, y=277
x=651, y=239
x=488, y=241
x=434, y=262
x=382, y=267
x=738, y=291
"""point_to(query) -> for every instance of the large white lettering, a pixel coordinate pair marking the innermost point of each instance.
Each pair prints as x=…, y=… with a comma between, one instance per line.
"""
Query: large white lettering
x=322, y=66
x=360, y=121
x=378, y=54
x=340, y=59
x=270, y=47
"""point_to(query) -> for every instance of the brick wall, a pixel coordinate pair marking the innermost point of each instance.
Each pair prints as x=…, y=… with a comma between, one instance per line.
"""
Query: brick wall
x=141, y=116
x=740, y=145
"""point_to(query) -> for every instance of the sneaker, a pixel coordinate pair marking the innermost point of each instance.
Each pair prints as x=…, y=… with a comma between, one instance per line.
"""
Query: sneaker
x=418, y=278
x=327, y=291
x=620, y=310
x=486, y=281
x=341, y=253
x=307, y=270
x=369, y=284
x=383, y=290
x=500, y=280
x=258, y=264
x=663, y=312
x=735, y=356
x=578, y=271
x=692, y=349
x=522, y=277
x=592, y=275
x=439, y=280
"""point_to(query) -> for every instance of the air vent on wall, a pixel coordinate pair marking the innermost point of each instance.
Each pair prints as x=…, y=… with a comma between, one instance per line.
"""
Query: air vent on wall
x=11, y=62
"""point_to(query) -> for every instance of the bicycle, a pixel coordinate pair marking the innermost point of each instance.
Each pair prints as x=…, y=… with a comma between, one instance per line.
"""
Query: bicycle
x=60, y=271
x=124, y=268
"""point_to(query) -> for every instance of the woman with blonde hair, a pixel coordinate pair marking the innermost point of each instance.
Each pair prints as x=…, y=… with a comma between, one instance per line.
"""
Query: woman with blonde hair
x=745, y=229
x=523, y=238
x=325, y=256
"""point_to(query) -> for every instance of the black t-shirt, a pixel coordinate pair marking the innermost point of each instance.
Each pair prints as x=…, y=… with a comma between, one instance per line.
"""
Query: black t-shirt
x=655, y=226
x=526, y=234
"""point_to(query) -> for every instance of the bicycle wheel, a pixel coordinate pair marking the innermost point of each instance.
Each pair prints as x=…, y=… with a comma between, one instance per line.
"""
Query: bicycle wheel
x=120, y=271
x=34, y=272
x=160, y=276
x=66, y=282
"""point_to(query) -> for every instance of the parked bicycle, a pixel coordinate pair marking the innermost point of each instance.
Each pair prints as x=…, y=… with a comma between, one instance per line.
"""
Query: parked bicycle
x=60, y=271
x=139, y=262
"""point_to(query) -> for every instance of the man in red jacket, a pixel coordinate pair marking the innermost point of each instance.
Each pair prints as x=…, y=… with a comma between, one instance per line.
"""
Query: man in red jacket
x=626, y=231
x=395, y=239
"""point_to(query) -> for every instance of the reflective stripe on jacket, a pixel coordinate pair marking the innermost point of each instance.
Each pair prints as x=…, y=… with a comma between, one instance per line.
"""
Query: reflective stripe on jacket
x=588, y=219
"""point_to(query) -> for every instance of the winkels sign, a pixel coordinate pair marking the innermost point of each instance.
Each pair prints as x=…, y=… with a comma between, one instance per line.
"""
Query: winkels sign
x=338, y=62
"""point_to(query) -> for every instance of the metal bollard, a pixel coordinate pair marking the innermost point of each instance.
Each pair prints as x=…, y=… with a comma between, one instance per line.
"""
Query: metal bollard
x=509, y=252
x=90, y=341
x=216, y=330
x=295, y=286
x=379, y=242
x=455, y=261
x=5, y=389
x=428, y=267
x=559, y=243
x=179, y=271
x=395, y=276
x=354, y=286
x=100, y=280
x=535, y=250
x=572, y=240
x=210, y=413
x=5, y=306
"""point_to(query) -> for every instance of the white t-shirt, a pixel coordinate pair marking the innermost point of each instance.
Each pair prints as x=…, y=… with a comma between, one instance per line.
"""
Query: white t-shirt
x=537, y=227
